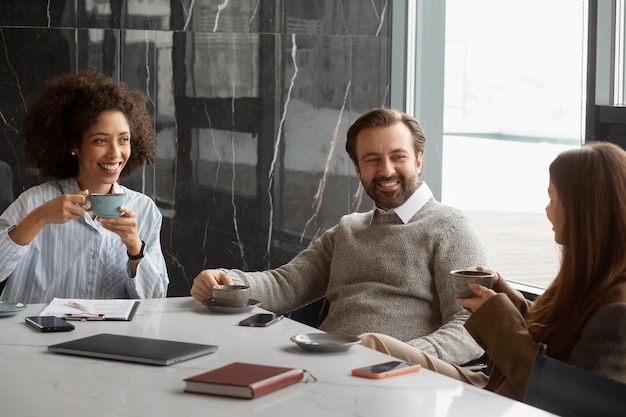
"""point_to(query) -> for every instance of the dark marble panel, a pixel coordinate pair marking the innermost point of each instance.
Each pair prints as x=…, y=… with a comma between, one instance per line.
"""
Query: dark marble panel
x=120, y=14
x=37, y=13
x=343, y=17
x=28, y=58
x=251, y=104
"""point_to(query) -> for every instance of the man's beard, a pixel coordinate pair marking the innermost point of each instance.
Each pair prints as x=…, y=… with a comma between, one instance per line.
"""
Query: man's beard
x=393, y=199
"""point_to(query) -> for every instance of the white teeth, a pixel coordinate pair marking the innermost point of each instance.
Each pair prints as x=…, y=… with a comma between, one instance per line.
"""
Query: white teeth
x=388, y=184
x=109, y=167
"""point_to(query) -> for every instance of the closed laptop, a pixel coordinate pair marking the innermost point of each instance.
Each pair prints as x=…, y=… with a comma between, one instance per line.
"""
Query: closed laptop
x=133, y=349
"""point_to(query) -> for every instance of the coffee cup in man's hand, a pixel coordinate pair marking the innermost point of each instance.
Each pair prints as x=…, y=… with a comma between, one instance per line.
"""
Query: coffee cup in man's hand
x=231, y=295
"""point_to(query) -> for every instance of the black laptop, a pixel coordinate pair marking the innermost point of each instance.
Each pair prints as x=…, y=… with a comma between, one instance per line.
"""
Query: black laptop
x=133, y=349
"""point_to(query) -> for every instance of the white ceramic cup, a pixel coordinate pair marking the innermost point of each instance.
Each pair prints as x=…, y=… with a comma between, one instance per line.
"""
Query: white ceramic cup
x=463, y=277
x=231, y=295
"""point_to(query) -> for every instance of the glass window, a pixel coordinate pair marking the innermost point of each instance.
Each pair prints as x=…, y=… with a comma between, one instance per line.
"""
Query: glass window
x=513, y=100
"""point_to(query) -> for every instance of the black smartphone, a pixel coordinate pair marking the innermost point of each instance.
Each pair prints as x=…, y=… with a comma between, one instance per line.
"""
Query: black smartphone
x=261, y=320
x=386, y=369
x=48, y=324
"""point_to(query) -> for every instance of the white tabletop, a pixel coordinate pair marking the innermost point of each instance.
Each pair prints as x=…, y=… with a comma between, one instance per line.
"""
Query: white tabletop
x=35, y=382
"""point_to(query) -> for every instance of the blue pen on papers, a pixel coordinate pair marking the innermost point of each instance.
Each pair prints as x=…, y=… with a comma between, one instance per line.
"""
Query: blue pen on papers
x=81, y=307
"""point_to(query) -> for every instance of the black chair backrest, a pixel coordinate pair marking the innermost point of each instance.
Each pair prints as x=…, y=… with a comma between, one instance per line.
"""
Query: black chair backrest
x=565, y=390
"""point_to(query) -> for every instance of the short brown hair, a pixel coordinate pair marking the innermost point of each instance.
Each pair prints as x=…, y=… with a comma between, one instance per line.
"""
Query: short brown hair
x=70, y=103
x=383, y=117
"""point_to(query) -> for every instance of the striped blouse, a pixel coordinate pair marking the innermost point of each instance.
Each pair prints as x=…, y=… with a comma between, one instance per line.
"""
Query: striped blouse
x=80, y=258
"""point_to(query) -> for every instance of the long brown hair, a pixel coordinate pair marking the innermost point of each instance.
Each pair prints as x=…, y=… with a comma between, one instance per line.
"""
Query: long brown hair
x=591, y=185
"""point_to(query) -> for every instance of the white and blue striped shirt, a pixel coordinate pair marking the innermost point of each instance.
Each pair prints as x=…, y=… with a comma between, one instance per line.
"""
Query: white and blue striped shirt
x=80, y=258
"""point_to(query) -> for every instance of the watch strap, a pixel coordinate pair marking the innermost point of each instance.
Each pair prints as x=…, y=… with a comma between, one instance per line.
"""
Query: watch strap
x=141, y=253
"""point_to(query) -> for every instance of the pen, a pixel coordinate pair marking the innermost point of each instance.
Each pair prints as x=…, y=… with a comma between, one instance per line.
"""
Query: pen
x=84, y=317
x=81, y=307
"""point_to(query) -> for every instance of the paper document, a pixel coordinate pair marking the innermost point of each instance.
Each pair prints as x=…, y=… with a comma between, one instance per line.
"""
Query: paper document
x=115, y=309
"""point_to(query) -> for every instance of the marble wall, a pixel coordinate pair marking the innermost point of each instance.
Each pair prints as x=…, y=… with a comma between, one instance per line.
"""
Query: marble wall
x=251, y=100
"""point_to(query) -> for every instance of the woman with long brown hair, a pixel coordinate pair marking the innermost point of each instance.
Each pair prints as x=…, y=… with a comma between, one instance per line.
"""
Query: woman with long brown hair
x=581, y=316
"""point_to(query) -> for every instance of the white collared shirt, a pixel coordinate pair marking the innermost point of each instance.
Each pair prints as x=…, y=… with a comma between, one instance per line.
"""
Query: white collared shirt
x=411, y=206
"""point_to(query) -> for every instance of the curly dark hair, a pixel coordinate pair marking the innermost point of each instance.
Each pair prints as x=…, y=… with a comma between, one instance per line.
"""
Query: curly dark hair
x=69, y=105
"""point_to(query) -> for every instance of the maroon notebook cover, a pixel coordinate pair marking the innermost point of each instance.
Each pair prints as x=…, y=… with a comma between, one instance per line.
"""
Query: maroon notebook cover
x=245, y=380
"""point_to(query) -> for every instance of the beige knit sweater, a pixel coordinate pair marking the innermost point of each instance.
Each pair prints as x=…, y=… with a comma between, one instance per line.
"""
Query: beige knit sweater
x=383, y=276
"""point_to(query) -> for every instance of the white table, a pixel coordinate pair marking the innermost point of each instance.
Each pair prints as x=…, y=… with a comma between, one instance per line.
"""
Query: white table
x=35, y=382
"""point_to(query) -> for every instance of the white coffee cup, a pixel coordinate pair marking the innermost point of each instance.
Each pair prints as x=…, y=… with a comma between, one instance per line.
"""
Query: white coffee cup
x=463, y=277
x=231, y=295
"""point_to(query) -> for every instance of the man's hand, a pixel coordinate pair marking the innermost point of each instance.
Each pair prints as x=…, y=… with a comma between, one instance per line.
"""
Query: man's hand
x=203, y=284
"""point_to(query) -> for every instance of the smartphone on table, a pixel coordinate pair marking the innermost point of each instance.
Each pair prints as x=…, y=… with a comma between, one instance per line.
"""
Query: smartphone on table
x=47, y=324
x=261, y=320
x=386, y=369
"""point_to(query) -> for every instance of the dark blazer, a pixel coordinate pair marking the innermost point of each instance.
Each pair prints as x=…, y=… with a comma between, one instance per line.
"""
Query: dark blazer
x=499, y=327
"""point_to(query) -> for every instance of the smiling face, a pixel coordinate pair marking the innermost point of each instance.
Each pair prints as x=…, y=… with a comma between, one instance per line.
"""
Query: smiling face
x=554, y=212
x=387, y=164
x=103, y=153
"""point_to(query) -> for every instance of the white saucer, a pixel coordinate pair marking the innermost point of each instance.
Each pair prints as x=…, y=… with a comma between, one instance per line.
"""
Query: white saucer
x=324, y=342
x=8, y=308
x=216, y=308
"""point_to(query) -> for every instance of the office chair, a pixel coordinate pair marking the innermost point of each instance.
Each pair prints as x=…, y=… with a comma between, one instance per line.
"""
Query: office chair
x=565, y=390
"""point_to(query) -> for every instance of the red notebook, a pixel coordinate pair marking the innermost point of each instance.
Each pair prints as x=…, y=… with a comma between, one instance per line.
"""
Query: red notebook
x=244, y=380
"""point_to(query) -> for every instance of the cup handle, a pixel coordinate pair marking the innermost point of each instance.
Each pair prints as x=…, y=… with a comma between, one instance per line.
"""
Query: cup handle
x=84, y=206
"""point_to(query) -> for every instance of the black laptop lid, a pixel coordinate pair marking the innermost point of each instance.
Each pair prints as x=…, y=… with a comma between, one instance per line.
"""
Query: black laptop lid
x=133, y=349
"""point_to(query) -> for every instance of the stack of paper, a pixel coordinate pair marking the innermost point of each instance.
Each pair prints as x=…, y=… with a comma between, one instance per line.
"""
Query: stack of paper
x=115, y=309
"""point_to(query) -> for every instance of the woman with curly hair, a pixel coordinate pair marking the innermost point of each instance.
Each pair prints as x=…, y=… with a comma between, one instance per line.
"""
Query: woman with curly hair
x=86, y=131
x=581, y=317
